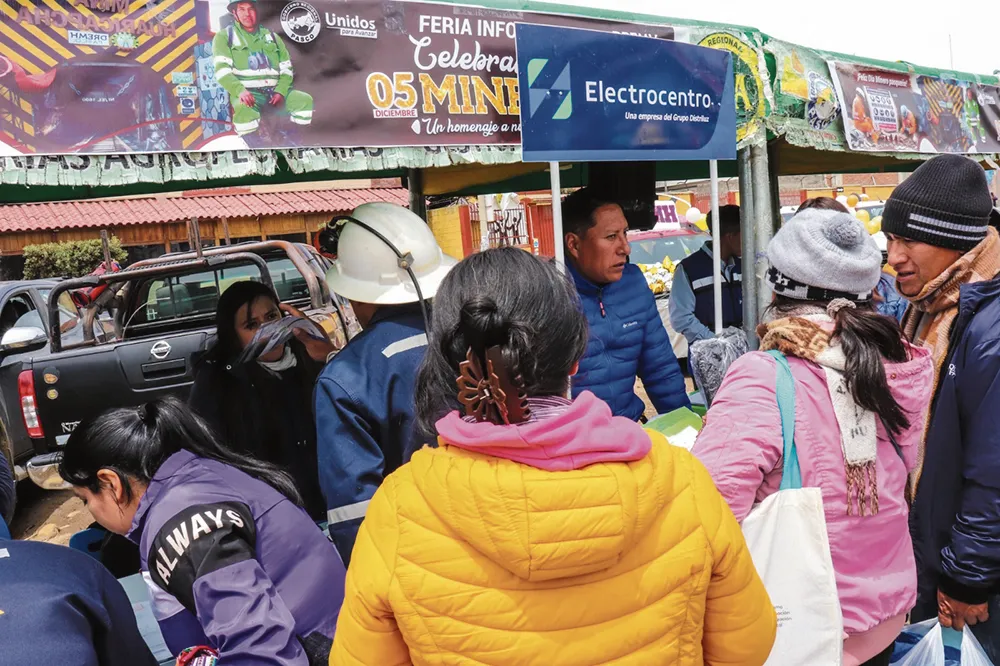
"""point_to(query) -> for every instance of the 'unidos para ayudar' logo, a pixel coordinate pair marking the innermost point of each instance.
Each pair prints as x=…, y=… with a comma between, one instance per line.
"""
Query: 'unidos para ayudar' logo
x=750, y=102
x=549, y=87
x=301, y=22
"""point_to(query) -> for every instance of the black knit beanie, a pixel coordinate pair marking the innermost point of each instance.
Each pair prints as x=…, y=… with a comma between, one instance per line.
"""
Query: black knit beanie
x=946, y=202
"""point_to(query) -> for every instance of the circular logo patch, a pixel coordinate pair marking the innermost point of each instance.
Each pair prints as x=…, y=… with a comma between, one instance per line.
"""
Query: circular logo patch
x=750, y=102
x=301, y=22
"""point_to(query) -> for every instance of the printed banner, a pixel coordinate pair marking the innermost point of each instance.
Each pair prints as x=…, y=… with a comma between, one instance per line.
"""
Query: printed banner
x=147, y=76
x=886, y=111
x=590, y=96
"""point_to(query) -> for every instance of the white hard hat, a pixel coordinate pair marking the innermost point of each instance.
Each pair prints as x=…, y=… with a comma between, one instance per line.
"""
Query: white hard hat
x=367, y=270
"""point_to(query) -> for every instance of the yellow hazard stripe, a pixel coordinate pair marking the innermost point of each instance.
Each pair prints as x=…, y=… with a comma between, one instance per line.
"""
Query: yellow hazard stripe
x=191, y=138
x=18, y=39
x=185, y=124
x=165, y=42
x=178, y=14
x=23, y=103
x=62, y=32
x=38, y=32
x=29, y=66
x=183, y=67
x=188, y=43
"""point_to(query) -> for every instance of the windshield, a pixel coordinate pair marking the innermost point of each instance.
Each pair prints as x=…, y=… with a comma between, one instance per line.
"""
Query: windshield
x=654, y=250
x=198, y=293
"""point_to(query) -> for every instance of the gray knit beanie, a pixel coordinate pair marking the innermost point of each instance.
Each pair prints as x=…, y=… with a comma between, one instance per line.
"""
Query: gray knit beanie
x=820, y=255
x=946, y=202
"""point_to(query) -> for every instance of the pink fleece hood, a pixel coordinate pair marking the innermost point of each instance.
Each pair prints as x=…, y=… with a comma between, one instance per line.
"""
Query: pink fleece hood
x=584, y=434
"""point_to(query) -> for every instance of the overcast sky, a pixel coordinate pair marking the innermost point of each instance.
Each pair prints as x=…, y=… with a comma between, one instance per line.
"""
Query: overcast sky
x=909, y=30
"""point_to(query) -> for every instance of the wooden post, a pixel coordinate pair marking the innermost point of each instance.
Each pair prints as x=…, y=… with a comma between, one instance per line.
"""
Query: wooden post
x=194, y=236
x=106, y=246
x=225, y=230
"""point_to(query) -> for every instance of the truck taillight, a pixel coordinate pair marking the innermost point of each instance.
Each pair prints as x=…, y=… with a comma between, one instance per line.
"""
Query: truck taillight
x=29, y=404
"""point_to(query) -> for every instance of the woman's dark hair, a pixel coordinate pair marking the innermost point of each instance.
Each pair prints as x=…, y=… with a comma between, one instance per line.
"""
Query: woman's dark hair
x=867, y=339
x=507, y=298
x=823, y=203
x=227, y=344
x=133, y=442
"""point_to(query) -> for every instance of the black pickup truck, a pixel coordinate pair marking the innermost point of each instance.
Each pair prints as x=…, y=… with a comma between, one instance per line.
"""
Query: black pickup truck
x=163, y=322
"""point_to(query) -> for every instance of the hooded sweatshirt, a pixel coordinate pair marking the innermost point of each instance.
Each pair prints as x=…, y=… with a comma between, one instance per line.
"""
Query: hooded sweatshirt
x=575, y=539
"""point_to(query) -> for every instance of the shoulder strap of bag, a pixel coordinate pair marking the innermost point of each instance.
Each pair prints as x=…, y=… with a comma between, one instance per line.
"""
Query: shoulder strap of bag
x=791, y=473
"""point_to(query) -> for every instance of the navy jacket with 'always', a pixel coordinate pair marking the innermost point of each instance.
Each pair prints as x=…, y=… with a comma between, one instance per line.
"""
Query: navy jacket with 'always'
x=234, y=564
x=627, y=339
x=955, y=522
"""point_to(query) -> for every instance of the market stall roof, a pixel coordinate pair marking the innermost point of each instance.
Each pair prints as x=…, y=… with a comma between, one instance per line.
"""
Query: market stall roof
x=155, y=210
x=801, y=148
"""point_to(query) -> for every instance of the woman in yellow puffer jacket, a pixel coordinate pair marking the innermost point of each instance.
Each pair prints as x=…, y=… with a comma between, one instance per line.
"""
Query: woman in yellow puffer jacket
x=541, y=530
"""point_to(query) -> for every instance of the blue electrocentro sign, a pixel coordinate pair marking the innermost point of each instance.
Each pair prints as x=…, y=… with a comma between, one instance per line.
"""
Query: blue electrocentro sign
x=593, y=96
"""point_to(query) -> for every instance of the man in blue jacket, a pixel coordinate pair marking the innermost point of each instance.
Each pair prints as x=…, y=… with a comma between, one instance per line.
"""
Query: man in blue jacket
x=365, y=395
x=947, y=258
x=627, y=337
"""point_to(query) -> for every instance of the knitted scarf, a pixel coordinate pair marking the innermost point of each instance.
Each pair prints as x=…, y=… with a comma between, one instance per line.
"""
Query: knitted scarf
x=939, y=300
x=807, y=335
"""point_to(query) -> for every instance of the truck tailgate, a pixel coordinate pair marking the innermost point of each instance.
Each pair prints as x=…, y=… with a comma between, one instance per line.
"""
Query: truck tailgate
x=79, y=383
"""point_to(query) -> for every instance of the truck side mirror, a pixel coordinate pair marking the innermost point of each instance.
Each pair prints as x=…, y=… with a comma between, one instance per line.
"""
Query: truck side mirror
x=23, y=338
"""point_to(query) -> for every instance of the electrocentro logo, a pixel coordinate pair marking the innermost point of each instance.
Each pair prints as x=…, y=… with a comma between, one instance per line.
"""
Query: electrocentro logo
x=301, y=22
x=549, y=87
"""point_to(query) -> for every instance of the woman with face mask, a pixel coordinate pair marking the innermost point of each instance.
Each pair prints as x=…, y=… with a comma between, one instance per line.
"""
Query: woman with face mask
x=264, y=406
x=231, y=560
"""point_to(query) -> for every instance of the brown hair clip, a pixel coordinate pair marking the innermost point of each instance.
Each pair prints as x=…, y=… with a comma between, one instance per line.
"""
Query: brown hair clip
x=490, y=396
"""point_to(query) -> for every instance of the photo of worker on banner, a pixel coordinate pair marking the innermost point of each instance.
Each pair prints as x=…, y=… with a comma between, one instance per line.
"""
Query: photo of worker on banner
x=253, y=65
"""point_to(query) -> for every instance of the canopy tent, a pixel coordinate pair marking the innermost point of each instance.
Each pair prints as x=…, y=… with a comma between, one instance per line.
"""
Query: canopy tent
x=771, y=104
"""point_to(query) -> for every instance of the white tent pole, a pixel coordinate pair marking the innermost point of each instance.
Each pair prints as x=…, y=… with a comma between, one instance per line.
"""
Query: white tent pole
x=557, y=225
x=713, y=172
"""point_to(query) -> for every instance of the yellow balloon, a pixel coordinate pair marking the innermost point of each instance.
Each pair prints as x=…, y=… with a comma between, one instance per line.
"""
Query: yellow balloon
x=702, y=223
x=863, y=215
x=874, y=225
x=852, y=200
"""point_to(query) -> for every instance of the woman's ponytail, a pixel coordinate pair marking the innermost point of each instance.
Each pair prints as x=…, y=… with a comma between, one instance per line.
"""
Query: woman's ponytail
x=134, y=441
x=868, y=340
x=481, y=326
x=503, y=298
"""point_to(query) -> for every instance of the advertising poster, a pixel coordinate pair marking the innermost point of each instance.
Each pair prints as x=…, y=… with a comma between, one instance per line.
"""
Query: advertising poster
x=147, y=76
x=887, y=111
x=590, y=96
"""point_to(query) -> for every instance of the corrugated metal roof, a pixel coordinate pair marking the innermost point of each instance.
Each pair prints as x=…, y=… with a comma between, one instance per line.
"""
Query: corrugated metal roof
x=153, y=210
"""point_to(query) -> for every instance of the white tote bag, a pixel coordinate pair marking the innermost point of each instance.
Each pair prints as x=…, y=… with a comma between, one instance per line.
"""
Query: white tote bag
x=787, y=538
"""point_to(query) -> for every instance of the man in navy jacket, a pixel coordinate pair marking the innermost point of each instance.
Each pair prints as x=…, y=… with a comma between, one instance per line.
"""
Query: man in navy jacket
x=947, y=259
x=365, y=396
x=956, y=515
x=627, y=337
x=59, y=606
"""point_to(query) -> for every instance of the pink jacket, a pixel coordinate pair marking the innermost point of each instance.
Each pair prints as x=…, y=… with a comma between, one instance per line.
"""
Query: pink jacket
x=741, y=445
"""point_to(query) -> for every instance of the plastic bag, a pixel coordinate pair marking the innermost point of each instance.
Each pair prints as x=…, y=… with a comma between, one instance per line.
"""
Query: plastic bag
x=710, y=359
x=930, y=649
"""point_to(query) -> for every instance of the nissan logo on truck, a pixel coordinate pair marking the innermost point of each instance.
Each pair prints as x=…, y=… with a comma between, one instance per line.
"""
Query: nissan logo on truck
x=160, y=350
